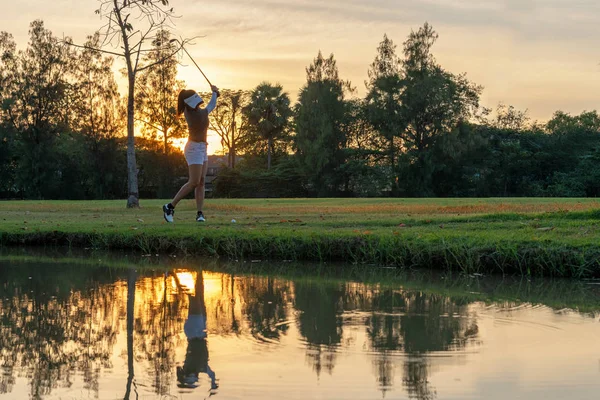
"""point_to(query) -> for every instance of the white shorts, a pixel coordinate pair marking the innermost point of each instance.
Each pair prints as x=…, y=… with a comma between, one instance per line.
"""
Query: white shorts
x=195, y=152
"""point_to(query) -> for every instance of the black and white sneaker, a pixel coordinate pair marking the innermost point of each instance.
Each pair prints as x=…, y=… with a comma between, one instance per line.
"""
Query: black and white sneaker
x=168, y=212
x=200, y=217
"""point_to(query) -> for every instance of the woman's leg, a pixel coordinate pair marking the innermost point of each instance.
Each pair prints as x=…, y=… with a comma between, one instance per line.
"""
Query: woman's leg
x=200, y=189
x=195, y=175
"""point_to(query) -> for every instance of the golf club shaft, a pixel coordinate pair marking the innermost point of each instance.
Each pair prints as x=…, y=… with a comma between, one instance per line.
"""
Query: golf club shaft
x=194, y=61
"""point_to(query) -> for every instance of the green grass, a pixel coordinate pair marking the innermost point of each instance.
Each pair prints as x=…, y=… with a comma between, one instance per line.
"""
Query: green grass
x=549, y=237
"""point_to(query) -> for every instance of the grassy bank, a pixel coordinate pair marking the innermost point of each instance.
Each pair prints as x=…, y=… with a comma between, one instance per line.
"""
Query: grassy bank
x=549, y=237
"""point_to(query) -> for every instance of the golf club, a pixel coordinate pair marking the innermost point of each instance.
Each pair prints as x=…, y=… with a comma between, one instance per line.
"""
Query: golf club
x=196, y=64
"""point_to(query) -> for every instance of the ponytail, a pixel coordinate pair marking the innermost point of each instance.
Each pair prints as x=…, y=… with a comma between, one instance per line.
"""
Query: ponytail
x=184, y=94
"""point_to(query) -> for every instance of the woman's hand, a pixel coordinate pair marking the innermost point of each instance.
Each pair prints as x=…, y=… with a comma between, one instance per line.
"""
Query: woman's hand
x=215, y=90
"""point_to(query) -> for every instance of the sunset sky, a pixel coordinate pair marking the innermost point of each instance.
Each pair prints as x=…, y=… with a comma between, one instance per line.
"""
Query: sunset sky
x=541, y=55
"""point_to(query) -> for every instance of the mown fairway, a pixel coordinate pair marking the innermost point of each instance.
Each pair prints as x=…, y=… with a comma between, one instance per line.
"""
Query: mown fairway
x=564, y=220
x=468, y=234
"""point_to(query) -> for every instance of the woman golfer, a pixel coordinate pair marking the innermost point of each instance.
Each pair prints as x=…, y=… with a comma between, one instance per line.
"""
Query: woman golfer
x=188, y=103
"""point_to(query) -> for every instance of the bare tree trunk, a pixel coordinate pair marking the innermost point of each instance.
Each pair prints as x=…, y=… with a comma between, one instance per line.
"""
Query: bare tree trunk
x=232, y=147
x=393, y=165
x=132, y=182
x=269, y=147
x=166, y=141
x=132, y=178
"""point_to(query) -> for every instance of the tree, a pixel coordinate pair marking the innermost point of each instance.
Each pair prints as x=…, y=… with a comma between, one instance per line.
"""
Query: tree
x=8, y=164
x=98, y=116
x=320, y=139
x=35, y=99
x=8, y=53
x=573, y=154
x=563, y=123
x=152, y=17
x=268, y=114
x=508, y=117
x=159, y=87
x=433, y=102
x=383, y=104
x=95, y=102
x=365, y=152
x=228, y=122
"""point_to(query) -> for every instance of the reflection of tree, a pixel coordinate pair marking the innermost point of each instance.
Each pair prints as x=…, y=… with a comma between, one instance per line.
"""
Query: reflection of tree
x=64, y=323
x=432, y=323
x=320, y=321
x=416, y=323
x=55, y=321
x=435, y=323
x=235, y=325
x=384, y=372
x=384, y=325
x=131, y=278
x=416, y=379
x=98, y=334
x=265, y=306
x=383, y=329
x=157, y=326
x=222, y=307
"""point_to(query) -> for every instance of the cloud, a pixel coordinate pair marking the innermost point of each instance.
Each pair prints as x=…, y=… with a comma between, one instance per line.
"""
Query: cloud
x=532, y=20
x=537, y=53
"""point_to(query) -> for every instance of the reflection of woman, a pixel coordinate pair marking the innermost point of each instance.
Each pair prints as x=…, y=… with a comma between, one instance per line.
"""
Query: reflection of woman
x=196, y=357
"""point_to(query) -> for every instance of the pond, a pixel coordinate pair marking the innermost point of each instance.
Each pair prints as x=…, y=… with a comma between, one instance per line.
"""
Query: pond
x=166, y=329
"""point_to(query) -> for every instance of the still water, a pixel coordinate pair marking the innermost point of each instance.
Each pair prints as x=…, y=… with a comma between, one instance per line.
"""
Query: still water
x=186, y=330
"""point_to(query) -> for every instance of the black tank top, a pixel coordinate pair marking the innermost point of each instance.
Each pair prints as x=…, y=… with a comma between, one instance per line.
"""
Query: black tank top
x=197, y=121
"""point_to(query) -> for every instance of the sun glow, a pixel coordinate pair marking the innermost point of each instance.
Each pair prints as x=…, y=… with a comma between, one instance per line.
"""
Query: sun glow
x=179, y=143
x=214, y=143
x=185, y=281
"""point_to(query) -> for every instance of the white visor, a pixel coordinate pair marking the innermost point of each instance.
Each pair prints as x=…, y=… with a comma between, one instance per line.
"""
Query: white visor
x=194, y=100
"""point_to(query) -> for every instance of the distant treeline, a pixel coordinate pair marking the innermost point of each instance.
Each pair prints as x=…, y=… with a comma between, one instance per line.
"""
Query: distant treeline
x=419, y=131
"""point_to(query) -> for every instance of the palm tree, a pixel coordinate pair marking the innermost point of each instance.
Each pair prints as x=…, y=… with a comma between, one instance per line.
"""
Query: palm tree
x=268, y=113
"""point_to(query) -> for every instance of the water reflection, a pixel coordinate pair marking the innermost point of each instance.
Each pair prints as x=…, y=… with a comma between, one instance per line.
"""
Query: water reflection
x=196, y=356
x=265, y=306
x=68, y=331
x=320, y=322
x=48, y=330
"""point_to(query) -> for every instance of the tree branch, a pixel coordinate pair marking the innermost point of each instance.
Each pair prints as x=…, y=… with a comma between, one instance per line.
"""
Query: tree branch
x=162, y=59
x=92, y=48
x=149, y=124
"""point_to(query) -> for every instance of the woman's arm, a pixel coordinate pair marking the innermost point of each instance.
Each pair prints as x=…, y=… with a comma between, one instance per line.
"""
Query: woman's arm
x=213, y=100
